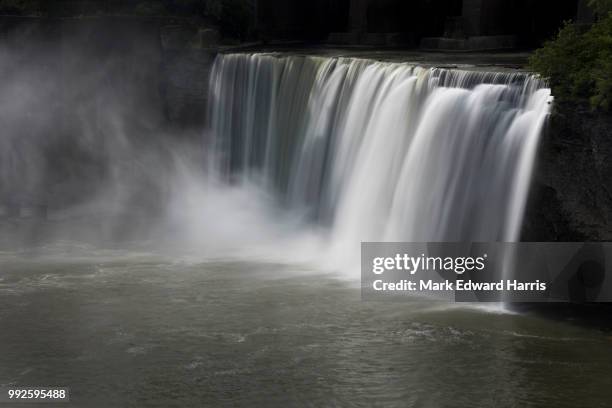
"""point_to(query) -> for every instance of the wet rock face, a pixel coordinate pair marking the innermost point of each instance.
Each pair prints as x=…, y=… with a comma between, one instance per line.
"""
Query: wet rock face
x=165, y=63
x=78, y=98
x=188, y=53
x=185, y=87
x=571, y=198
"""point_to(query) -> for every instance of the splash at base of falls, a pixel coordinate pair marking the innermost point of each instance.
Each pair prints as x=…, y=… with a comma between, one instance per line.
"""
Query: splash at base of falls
x=217, y=220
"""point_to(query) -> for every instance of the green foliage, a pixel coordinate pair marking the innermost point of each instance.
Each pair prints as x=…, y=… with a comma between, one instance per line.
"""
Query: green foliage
x=578, y=62
x=601, y=7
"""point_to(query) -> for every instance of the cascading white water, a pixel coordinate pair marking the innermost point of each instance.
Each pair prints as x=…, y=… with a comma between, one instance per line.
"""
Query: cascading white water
x=381, y=151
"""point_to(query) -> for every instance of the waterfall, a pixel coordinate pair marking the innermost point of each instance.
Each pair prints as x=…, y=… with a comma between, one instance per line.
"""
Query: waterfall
x=381, y=151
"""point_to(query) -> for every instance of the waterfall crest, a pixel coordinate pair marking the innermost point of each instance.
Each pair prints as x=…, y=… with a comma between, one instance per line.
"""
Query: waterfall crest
x=381, y=151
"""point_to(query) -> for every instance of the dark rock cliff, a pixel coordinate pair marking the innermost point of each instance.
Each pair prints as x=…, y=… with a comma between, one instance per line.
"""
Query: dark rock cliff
x=80, y=96
x=571, y=197
x=162, y=62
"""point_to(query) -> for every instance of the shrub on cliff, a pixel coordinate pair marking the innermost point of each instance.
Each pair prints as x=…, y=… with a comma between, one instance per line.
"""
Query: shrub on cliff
x=578, y=62
x=601, y=7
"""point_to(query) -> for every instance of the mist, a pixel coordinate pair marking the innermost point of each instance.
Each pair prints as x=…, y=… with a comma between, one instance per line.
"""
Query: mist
x=88, y=154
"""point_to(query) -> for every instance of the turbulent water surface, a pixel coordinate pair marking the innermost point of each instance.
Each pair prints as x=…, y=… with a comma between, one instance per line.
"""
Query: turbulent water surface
x=133, y=329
